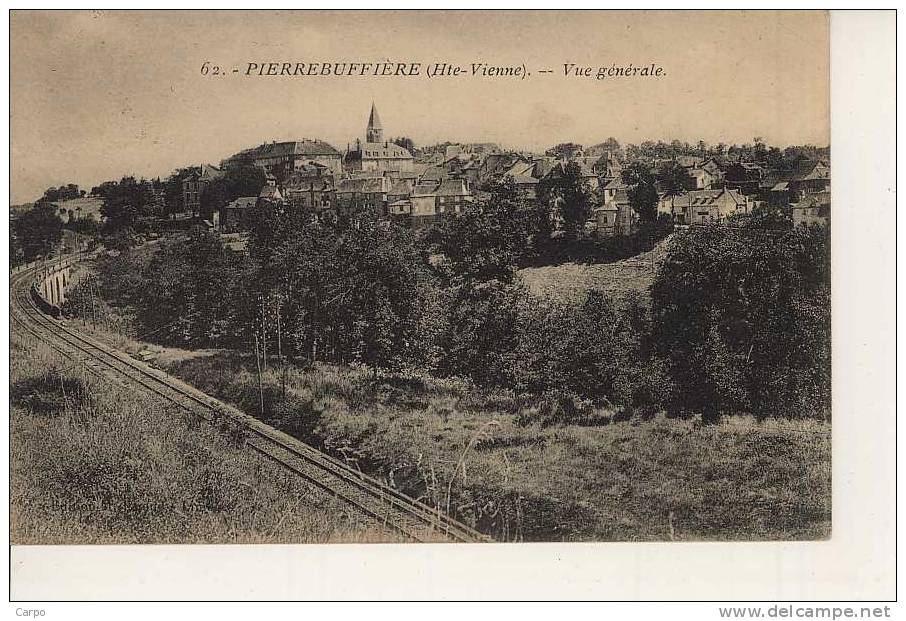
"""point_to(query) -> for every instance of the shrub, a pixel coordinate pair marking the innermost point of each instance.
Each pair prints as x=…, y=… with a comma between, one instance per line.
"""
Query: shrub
x=742, y=315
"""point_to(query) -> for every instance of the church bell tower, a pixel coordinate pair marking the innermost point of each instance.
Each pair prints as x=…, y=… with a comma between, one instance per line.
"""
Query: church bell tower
x=375, y=132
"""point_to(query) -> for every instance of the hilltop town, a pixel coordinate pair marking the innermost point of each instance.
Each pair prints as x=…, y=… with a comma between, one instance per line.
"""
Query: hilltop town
x=679, y=183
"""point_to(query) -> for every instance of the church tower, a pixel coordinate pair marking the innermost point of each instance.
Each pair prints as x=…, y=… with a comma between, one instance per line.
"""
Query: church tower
x=375, y=132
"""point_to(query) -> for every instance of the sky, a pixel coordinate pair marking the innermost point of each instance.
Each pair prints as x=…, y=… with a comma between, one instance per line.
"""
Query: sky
x=99, y=95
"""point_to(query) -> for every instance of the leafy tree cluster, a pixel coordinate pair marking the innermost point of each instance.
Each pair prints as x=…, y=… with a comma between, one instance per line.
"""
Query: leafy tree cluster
x=674, y=179
x=235, y=182
x=742, y=314
x=37, y=231
x=345, y=293
x=755, y=151
x=564, y=150
x=611, y=145
x=127, y=202
x=407, y=143
x=568, y=197
x=738, y=319
x=643, y=194
x=491, y=239
x=197, y=283
x=173, y=190
x=62, y=193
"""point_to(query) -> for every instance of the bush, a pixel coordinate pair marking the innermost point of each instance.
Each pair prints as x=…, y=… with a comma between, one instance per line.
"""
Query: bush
x=742, y=315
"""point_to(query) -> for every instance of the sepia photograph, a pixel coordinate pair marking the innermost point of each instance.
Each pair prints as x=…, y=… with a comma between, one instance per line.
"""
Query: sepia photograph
x=336, y=282
x=275, y=288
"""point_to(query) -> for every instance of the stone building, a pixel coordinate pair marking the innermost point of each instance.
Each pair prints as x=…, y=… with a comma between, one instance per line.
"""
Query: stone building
x=377, y=154
x=705, y=206
x=360, y=194
x=193, y=185
x=280, y=159
x=812, y=209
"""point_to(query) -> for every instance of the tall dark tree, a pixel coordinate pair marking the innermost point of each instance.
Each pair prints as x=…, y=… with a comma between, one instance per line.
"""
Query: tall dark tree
x=38, y=231
x=173, y=191
x=488, y=240
x=743, y=316
x=566, y=193
x=126, y=202
x=643, y=195
x=236, y=182
x=674, y=179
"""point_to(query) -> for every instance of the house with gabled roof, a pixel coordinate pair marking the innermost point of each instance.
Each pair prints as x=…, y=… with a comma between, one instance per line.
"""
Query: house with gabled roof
x=810, y=177
x=358, y=194
x=705, y=206
x=194, y=184
x=812, y=209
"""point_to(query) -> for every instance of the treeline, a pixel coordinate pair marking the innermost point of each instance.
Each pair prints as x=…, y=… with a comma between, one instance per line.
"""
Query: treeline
x=738, y=319
x=755, y=151
x=131, y=205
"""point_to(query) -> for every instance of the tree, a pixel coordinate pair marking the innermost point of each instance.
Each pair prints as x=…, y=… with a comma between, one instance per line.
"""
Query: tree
x=125, y=202
x=385, y=279
x=38, y=231
x=674, y=179
x=84, y=225
x=742, y=314
x=346, y=293
x=16, y=255
x=488, y=240
x=567, y=193
x=62, y=193
x=236, y=182
x=642, y=194
x=173, y=194
x=196, y=288
x=481, y=332
x=405, y=142
x=564, y=150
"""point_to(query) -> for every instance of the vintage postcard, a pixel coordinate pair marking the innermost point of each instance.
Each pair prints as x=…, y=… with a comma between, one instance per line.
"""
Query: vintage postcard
x=310, y=282
x=354, y=277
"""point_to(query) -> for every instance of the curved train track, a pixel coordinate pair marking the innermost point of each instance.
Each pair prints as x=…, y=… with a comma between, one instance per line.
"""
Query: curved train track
x=390, y=507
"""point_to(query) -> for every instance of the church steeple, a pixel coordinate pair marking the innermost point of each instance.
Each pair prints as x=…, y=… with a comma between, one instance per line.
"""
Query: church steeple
x=375, y=131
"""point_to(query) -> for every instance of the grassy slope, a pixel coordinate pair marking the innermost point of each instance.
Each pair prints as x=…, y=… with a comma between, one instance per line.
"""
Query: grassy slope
x=646, y=480
x=570, y=281
x=632, y=480
x=91, y=463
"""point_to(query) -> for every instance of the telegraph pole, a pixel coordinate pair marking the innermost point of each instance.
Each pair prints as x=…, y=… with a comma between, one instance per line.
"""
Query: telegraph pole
x=260, y=384
x=263, y=334
x=280, y=352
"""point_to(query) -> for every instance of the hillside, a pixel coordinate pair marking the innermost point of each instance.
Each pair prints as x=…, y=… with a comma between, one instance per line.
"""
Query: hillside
x=570, y=281
x=90, y=463
x=533, y=471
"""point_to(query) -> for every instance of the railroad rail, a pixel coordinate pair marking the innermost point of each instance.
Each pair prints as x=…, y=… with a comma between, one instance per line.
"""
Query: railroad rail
x=380, y=502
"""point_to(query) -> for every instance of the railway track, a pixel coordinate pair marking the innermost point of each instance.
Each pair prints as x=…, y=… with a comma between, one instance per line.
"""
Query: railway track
x=378, y=501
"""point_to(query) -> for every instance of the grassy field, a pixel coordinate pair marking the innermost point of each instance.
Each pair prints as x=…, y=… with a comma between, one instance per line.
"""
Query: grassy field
x=513, y=471
x=570, y=281
x=92, y=463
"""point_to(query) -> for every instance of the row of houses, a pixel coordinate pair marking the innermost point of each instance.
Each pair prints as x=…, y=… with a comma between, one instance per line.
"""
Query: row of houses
x=384, y=178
